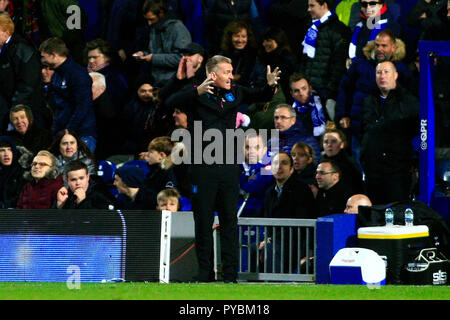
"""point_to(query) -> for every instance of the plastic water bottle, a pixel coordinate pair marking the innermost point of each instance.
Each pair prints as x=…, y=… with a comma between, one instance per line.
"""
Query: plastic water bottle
x=389, y=217
x=409, y=217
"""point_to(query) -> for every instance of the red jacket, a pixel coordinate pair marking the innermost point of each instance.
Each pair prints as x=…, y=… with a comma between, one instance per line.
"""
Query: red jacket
x=41, y=194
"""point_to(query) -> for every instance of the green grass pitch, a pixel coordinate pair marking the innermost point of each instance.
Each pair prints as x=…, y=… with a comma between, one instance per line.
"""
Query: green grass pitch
x=218, y=291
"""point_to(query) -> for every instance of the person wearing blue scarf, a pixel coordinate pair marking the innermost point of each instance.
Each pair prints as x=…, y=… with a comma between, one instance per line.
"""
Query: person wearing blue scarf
x=309, y=44
x=374, y=17
x=307, y=104
x=325, y=50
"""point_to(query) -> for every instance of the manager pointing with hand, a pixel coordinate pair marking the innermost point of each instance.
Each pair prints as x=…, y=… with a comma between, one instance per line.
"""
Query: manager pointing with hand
x=215, y=187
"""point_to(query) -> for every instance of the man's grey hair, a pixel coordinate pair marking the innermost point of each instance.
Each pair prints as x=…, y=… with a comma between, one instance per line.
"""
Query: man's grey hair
x=213, y=63
x=99, y=78
x=291, y=110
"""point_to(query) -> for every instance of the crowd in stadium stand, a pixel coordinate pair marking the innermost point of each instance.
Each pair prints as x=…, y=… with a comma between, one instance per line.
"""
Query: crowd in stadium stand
x=90, y=96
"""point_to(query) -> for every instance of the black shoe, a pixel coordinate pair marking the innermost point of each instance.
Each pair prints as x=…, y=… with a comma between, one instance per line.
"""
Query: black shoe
x=203, y=279
x=229, y=280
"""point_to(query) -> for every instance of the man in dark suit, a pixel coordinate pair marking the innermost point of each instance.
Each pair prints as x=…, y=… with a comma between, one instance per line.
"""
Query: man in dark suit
x=333, y=189
x=215, y=185
x=288, y=198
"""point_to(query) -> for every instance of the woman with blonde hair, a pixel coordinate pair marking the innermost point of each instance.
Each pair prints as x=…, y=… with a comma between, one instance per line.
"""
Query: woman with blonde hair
x=304, y=164
x=44, y=181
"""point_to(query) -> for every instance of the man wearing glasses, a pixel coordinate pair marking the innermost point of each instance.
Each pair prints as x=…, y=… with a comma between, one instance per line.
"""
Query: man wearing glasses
x=333, y=193
x=44, y=182
x=290, y=131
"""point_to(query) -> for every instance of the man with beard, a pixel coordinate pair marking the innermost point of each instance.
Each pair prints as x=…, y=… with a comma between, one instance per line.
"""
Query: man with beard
x=160, y=48
x=307, y=104
x=359, y=81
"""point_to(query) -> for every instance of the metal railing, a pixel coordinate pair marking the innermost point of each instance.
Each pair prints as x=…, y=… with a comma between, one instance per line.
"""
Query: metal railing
x=287, y=253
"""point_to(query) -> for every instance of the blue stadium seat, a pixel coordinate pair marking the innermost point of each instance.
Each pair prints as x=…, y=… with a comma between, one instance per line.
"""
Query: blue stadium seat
x=185, y=204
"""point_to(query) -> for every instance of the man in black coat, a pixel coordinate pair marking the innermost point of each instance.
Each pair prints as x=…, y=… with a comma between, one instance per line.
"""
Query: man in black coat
x=334, y=191
x=334, y=146
x=390, y=120
x=83, y=192
x=288, y=198
x=11, y=173
x=27, y=132
x=215, y=184
x=138, y=115
x=70, y=91
x=324, y=53
x=107, y=118
x=20, y=73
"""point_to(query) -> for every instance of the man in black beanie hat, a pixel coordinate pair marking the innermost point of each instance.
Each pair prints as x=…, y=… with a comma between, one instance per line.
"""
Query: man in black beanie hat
x=129, y=182
x=136, y=115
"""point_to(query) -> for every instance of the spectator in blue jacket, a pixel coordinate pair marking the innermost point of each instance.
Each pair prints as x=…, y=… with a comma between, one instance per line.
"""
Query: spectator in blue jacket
x=71, y=92
x=102, y=58
x=255, y=176
x=290, y=131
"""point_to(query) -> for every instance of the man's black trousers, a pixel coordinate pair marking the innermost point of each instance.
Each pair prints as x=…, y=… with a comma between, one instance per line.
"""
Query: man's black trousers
x=215, y=189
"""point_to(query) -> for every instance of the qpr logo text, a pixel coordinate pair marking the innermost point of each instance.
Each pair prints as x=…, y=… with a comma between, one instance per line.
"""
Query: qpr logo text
x=423, y=134
x=440, y=277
